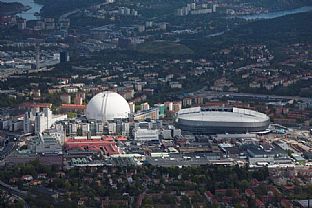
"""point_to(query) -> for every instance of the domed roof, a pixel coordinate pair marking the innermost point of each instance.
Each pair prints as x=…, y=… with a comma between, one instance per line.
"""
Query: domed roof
x=107, y=106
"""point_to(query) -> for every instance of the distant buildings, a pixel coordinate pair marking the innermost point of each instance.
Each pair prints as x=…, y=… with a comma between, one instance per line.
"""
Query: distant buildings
x=195, y=9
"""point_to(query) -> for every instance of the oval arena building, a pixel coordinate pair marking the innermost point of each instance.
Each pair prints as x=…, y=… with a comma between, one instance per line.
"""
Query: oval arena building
x=200, y=120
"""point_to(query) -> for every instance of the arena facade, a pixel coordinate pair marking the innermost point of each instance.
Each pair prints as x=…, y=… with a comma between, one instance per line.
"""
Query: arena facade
x=198, y=120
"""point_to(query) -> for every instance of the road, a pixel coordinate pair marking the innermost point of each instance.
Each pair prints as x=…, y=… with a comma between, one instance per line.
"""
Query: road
x=66, y=15
x=16, y=192
x=11, y=144
x=204, y=93
x=8, y=148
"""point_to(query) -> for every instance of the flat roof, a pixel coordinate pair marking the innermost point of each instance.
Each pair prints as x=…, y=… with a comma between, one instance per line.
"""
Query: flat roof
x=221, y=116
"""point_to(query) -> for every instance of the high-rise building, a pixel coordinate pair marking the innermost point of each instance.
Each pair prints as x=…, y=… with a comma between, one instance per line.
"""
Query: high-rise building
x=122, y=10
x=65, y=98
x=132, y=107
x=214, y=8
x=163, y=26
x=161, y=108
x=141, y=28
x=21, y=24
x=145, y=106
x=127, y=11
x=176, y=106
x=64, y=56
x=180, y=12
x=27, y=125
x=64, y=24
x=72, y=129
x=152, y=114
x=85, y=129
x=39, y=25
x=148, y=24
x=112, y=128
x=78, y=100
x=193, y=6
x=118, y=126
x=199, y=100
x=134, y=12
x=49, y=23
x=41, y=120
x=139, y=86
x=125, y=129
x=187, y=102
x=169, y=106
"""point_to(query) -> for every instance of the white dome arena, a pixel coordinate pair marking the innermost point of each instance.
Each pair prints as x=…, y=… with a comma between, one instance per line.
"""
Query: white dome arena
x=107, y=106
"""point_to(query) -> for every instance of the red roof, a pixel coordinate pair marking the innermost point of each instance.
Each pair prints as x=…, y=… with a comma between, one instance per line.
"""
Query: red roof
x=108, y=138
x=109, y=147
x=121, y=138
x=35, y=105
x=259, y=203
x=208, y=194
x=73, y=106
x=255, y=182
x=286, y=203
x=249, y=192
x=243, y=204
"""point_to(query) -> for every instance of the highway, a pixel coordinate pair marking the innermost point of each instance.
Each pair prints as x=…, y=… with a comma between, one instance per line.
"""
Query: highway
x=7, y=149
x=208, y=94
x=11, y=144
x=67, y=14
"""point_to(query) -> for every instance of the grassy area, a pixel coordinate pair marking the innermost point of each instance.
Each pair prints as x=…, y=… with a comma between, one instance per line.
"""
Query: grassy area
x=164, y=47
